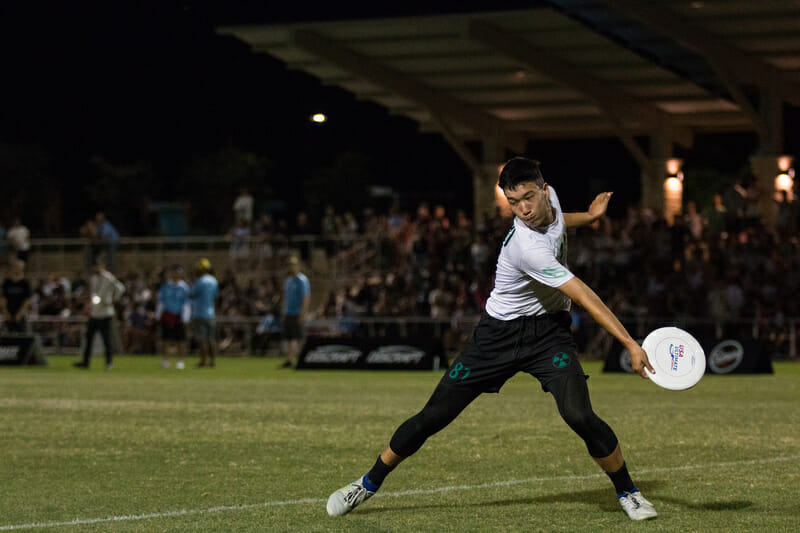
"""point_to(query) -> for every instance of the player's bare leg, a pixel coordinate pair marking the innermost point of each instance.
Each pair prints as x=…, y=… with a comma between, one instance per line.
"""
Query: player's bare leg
x=211, y=354
x=165, y=356
x=180, y=349
x=202, y=350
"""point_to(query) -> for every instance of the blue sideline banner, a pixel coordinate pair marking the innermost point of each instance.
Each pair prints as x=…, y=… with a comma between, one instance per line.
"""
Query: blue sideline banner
x=375, y=353
x=723, y=356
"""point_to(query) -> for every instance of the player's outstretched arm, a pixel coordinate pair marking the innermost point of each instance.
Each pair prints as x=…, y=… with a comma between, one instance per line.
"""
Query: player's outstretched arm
x=583, y=295
x=596, y=210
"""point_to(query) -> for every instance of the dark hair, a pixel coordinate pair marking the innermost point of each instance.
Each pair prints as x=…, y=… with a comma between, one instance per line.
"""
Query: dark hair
x=518, y=170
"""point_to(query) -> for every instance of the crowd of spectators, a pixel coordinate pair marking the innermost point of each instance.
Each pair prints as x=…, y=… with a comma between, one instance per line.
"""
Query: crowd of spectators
x=717, y=269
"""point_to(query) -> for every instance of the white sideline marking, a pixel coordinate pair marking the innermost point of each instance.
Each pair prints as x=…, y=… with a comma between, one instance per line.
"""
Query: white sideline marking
x=186, y=512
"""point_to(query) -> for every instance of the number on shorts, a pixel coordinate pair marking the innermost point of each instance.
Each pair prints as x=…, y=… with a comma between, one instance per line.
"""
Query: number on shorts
x=456, y=371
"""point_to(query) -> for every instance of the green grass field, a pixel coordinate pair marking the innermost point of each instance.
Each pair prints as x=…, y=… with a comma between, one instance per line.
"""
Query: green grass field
x=249, y=447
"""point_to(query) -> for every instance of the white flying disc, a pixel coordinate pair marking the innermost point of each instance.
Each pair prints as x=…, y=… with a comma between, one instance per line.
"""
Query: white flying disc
x=676, y=356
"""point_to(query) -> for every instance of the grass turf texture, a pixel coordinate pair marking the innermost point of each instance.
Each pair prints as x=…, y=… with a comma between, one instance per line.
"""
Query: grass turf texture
x=250, y=447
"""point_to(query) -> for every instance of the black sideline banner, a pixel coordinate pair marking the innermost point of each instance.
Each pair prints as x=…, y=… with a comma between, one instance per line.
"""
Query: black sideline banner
x=727, y=356
x=21, y=350
x=376, y=353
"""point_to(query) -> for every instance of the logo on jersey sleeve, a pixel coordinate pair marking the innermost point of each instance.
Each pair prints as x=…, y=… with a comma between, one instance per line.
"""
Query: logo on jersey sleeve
x=554, y=272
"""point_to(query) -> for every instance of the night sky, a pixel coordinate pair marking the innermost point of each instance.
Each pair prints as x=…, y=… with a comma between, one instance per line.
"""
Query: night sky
x=151, y=81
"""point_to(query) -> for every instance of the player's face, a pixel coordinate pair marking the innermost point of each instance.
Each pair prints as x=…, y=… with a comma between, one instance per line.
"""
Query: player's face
x=531, y=204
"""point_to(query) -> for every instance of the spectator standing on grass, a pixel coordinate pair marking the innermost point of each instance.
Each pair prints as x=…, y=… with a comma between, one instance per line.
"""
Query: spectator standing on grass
x=172, y=312
x=296, y=297
x=203, y=294
x=526, y=328
x=20, y=239
x=109, y=238
x=104, y=292
x=16, y=298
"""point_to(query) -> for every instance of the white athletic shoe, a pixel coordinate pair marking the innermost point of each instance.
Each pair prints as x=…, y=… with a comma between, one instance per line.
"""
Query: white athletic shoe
x=164, y=363
x=179, y=365
x=348, y=498
x=636, y=506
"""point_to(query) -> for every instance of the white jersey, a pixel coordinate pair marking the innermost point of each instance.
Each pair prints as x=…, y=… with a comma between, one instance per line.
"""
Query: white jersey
x=531, y=265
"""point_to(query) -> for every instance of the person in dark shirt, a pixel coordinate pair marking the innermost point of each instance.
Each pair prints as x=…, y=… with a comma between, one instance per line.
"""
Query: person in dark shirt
x=16, y=299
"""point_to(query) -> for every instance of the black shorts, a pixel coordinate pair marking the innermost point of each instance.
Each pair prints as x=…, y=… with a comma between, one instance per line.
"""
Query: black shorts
x=540, y=345
x=292, y=329
x=173, y=332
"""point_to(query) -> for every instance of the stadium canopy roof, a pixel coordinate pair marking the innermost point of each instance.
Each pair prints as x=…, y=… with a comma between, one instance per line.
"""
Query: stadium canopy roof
x=563, y=69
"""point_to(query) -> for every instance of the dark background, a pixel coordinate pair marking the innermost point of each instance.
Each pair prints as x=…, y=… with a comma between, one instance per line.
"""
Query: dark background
x=114, y=106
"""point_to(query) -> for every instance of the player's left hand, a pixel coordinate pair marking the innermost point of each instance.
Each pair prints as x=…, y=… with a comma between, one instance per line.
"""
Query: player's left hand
x=599, y=205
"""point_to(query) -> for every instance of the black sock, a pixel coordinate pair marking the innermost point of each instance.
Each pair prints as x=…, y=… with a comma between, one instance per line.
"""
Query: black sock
x=622, y=480
x=378, y=473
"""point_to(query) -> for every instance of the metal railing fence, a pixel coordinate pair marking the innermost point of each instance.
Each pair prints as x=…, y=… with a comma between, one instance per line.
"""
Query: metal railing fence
x=241, y=336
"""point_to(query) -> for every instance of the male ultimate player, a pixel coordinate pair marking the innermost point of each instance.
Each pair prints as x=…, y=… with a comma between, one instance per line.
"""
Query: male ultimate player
x=525, y=328
x=203, y=293
x=172, y=311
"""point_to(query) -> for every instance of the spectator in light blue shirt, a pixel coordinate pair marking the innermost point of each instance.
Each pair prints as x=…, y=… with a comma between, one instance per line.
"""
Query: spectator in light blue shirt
x=203, y=295
x=109, y=236
x=296, y=296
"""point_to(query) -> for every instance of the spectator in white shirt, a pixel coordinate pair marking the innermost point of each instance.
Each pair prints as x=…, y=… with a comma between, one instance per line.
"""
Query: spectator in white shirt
x=243, y=207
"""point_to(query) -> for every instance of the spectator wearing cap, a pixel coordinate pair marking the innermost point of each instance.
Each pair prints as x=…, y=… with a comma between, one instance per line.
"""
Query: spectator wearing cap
x=203, y=294
x=172, y=312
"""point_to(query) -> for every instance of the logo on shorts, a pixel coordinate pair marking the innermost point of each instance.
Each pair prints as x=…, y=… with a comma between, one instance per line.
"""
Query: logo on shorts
x=561, y=360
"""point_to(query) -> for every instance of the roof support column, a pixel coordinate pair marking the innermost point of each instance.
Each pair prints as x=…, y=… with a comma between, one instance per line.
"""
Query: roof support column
x=485, y=182
x=655, y=172
x=765, y=168
x=767, y=163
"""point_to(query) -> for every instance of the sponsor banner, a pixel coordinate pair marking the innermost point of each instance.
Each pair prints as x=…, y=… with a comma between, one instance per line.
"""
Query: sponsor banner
x=737, y=356
x=725, y=356
x=20, y=350
x=396, y=353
